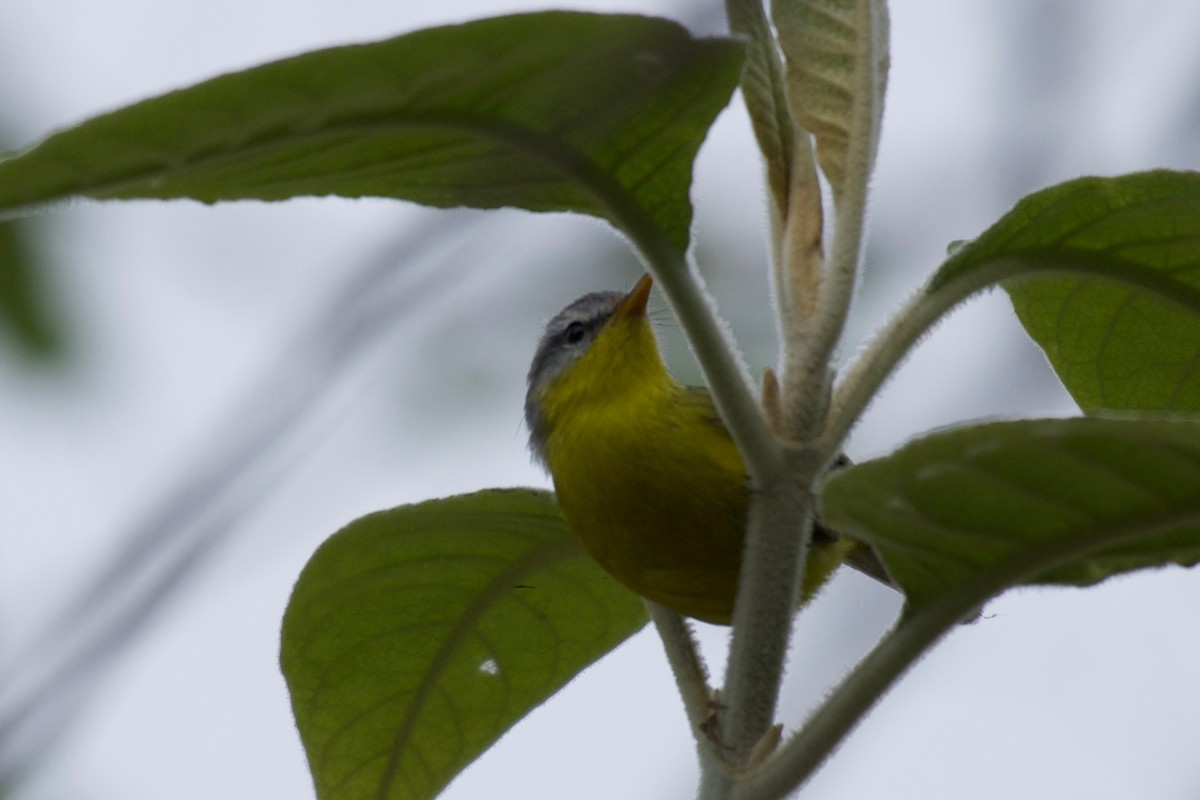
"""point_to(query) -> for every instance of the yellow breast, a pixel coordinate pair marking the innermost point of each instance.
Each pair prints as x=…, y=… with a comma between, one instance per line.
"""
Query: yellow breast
x=660, y=503
x=648, y=478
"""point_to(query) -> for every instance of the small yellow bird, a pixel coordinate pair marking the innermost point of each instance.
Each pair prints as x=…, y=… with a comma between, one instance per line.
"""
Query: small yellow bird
x=646, y=474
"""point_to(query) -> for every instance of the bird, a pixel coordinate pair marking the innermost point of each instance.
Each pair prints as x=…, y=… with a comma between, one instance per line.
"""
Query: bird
x=646, y=474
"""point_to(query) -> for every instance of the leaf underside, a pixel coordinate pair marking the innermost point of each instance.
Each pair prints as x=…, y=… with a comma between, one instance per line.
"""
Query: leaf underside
x=962, y=515
x=555, y=111
x=1104, y=273
x=415, y=637
x=836, y=60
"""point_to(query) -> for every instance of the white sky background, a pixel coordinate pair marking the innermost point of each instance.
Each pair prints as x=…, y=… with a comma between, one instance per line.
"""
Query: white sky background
x=176, y=308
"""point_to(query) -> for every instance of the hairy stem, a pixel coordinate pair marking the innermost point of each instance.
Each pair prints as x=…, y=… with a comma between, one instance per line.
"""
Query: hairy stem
x=725, y=374
x=691, y=675
x=807, y=373
x=770, y=584
x=892, y=343
x=769, y=580
x=800, y=757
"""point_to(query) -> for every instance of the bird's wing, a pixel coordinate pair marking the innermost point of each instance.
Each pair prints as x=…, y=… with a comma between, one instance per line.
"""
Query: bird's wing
x=863, y=557
x=700, y=401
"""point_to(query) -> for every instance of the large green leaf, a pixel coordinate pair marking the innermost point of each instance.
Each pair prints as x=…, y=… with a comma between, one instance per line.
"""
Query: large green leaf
x=961, y=515
x=600, y=114
x=1104, y=273
x=415, y=637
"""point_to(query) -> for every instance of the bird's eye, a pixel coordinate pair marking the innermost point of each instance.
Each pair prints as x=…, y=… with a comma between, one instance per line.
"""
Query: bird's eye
x=575, y=332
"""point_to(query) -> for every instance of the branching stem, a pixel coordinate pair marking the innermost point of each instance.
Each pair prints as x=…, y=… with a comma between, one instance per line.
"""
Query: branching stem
x=691, y=674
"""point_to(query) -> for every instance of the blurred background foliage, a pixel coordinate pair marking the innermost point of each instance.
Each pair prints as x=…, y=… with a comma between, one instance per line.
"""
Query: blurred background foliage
x=32, y=325
x=174, y=377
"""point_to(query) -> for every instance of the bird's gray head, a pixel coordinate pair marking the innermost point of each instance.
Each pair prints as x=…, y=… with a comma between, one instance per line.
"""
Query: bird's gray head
x=565, y=339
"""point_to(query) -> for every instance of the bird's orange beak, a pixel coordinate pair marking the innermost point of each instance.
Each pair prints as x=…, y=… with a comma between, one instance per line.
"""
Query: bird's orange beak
x=634, y=303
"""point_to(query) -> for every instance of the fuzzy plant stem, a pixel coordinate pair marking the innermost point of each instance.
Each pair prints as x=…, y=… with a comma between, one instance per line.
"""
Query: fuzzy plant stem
x=892, y=343
x=779, y=507
x=691, y=675
x=799, y=758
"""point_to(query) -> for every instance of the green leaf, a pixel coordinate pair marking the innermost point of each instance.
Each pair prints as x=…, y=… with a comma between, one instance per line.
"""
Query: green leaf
x=836, y=52
x=960, y=516
x=783, y=147
x=1104, y=273
x=26, y=312
x=415, y=637
x=556, y=111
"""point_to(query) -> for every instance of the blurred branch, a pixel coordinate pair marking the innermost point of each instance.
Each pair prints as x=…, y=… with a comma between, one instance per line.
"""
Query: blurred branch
x=28, y=316
x=42, y=688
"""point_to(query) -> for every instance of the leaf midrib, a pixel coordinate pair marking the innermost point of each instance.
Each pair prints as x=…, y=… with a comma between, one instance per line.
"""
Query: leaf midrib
x=535, y=559
x=1027, y=563
x=569, y=162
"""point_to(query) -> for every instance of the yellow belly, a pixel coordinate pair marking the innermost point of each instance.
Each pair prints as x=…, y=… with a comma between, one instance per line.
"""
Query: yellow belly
x=655, y=491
